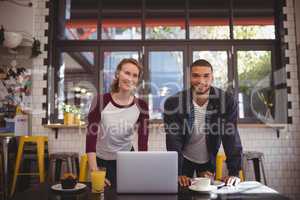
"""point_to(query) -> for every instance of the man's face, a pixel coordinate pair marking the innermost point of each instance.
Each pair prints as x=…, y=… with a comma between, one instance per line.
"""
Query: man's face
x=201, y=79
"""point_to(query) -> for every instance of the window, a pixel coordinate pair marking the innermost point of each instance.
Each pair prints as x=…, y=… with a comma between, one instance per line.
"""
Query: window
x=166, y=78
x=127, y=27
x=76, y=81
x=77, y=20
x=254, y=75
x=253, y=19
x=171, y=26
x=209, y=19
x=240, y=38
x=165, y=19
x=259, y=97
x=121, y=20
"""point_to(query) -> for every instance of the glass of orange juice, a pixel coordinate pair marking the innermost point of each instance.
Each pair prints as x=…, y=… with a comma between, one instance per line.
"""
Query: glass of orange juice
x=98, y=180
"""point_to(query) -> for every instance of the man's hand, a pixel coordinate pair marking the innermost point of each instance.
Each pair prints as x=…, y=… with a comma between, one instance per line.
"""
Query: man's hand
x=206, y=174
x=184, y=181
x=231, y=180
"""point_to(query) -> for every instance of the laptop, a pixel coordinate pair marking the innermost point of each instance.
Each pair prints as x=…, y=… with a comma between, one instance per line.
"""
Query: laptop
x=147, y=172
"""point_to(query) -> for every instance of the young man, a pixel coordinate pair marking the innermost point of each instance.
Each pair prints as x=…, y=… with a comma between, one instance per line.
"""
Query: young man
x=196, y=121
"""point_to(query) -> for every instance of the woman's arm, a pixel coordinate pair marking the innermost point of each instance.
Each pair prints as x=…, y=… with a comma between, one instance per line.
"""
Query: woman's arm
x=92, y=131
x=92, y=161
x=143, y=126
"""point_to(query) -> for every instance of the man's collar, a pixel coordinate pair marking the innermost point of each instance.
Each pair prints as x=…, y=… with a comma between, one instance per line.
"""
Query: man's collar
x=213, y=92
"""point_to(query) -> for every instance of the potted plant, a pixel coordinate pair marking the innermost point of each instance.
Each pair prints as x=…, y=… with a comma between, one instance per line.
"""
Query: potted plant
x=266, y=96
x=77, y=115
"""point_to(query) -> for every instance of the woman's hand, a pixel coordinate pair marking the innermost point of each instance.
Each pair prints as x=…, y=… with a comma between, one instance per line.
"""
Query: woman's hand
x=107, y=183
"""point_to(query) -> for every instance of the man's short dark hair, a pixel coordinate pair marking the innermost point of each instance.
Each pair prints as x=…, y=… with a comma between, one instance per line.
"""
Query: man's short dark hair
x=201, y=63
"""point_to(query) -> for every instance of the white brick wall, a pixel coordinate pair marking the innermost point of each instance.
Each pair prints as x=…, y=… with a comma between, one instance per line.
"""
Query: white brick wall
x=282, y=155
x=68, y=140
x=39, y=69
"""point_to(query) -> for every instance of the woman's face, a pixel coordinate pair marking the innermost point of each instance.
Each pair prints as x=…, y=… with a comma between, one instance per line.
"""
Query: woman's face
x=128, y=77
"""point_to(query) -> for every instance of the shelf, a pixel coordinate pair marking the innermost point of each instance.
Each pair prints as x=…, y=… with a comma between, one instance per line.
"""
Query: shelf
x=65, y=126
x=279, y=126
x=276, y=127
x=55, y=127
x=159, y=123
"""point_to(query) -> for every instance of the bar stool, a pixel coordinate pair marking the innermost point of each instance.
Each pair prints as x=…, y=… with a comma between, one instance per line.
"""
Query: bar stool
x=40, y=142
x=1, y=177
x=257, y=159
x=83, y=172
x=61, y=163
x=219, y=167
x=6, y=140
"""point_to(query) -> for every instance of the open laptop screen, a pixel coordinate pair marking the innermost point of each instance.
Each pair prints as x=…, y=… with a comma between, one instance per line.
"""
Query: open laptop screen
x=147, y=172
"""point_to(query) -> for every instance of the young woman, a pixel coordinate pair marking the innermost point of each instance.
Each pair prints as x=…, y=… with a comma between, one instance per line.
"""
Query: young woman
x=113, y=119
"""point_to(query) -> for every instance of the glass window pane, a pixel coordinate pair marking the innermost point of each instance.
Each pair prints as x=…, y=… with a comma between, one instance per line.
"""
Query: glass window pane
x=127, y=27
x=78, y=20
x=124, y=6
x=111, y=60
x=209, y=19
x=121, y=20
x=169, y=5
x=76, y=82
x=166, y=78
x=219, y=61
x=280, y=109
x=253, y=19
x=256, y=94
x=165, y=27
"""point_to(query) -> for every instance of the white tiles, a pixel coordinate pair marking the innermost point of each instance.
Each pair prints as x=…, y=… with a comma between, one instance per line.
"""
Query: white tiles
x=39, y=69
x=68, y=140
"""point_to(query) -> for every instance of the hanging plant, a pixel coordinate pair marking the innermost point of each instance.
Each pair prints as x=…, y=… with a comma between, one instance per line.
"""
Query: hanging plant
x=1, y=35
x=36, y=48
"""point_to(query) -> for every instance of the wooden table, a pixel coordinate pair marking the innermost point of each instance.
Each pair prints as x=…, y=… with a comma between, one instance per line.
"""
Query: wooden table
x=44, y=192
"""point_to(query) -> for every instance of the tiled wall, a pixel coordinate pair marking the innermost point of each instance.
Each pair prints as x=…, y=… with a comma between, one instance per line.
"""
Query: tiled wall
x=282, y=155
x=39, y=80
x=69, y=140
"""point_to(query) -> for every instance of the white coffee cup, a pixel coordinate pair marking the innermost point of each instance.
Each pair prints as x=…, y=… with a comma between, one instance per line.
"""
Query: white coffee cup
x=202, y=183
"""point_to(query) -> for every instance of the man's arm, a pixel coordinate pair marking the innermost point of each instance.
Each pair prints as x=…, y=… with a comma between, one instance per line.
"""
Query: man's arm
x=231, y=139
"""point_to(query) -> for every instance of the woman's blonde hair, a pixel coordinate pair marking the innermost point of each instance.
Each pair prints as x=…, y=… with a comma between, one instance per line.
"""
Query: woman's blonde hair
x=115, y=84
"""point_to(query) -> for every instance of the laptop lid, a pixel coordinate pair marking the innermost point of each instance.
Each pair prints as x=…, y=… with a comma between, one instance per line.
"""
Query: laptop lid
x=147, y=172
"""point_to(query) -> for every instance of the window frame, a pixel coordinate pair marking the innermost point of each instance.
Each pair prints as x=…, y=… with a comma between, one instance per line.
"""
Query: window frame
x=262, y=47
x=53, y=98
x=232, y=45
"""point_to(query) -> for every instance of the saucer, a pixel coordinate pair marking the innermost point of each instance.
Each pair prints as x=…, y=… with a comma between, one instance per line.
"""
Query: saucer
x=218, y=183
x=203, y=190
x=78, y=186
x=215, y=182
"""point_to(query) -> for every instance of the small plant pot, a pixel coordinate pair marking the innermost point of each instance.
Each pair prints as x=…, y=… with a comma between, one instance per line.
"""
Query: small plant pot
x=69, y=118
x=77, y=119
